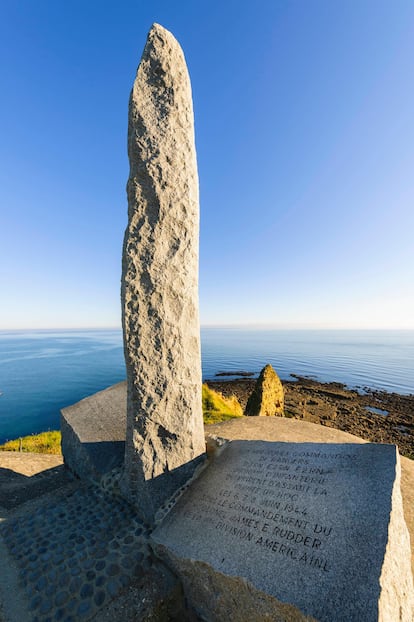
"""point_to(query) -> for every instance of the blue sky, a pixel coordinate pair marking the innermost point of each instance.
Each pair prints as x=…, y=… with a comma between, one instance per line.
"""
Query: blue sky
x=304, y=133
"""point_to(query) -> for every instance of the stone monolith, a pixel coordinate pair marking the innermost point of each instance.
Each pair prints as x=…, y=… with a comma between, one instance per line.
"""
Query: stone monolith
x=165, y=439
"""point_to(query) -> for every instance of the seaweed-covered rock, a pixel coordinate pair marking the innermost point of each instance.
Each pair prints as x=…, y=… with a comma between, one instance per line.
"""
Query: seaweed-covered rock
x=267, y=399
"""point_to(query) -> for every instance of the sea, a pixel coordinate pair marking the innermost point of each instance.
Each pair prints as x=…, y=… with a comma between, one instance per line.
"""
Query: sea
x=42, y=371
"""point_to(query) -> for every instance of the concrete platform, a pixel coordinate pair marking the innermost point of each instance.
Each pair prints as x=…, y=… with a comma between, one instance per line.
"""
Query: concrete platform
x=93, y=433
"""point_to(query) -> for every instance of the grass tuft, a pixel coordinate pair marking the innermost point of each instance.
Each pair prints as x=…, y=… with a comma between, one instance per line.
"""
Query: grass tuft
x=218, y=408
x=43, y=443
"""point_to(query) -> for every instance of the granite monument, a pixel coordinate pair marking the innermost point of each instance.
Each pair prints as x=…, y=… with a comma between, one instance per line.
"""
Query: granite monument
x=159, y=292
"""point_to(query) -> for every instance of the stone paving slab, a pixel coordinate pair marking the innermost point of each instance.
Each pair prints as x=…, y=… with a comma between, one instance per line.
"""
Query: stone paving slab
x=26, y=476
x=76, y=555
x=28, y=463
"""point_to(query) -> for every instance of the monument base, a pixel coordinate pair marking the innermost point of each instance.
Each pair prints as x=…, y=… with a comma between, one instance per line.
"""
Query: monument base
x=93, y=433
x=293, y=531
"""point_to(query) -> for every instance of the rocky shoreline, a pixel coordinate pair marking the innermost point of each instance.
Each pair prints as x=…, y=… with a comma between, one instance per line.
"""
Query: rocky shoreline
x=376, y=416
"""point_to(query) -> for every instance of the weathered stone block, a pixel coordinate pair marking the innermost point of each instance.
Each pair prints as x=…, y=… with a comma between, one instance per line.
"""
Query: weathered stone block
x=93, y=433
x=293, y=531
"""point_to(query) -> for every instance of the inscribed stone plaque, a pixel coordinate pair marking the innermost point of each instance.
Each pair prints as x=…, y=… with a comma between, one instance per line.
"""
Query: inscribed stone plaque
x=317, y=526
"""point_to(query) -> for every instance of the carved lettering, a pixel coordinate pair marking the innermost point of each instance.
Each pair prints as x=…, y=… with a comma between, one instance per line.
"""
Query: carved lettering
x=268, y=503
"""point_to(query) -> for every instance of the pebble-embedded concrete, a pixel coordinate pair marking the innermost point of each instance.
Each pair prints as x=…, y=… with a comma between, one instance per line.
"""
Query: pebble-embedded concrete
x=77, y=554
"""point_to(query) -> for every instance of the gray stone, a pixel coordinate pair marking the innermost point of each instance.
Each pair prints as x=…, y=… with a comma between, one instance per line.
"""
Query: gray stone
x=293, y=531
x=267, y=398
x=164, y=439
x=93, y=433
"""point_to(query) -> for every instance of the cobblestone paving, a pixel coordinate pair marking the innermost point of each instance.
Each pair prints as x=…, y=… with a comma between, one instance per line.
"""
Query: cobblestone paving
x=77, y=554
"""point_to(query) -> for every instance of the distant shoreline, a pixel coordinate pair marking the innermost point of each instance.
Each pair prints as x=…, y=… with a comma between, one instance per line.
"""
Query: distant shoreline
x=83, y=362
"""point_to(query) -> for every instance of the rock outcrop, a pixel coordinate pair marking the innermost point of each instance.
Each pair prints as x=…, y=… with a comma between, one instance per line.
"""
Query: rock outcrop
x=159, y=292
x=267, y=399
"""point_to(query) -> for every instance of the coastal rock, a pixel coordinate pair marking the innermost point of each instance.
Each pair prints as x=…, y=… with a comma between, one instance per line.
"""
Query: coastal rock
x=267, y=399
x=159, y=292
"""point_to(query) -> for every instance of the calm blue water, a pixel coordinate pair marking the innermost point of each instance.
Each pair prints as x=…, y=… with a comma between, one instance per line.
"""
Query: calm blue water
x=43, y=371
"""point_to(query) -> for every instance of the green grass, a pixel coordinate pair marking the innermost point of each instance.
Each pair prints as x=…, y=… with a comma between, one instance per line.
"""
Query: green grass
x=217, y=408
x=43, y=443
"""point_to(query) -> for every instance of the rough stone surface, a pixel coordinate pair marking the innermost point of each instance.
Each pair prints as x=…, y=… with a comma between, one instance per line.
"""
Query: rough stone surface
x=160, y=280
x=156, y=597
x=319, y=527
x=93, y=433
x=267, y=397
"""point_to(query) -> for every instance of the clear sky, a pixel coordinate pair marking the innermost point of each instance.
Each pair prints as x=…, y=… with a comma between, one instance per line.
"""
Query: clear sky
x=305, y=142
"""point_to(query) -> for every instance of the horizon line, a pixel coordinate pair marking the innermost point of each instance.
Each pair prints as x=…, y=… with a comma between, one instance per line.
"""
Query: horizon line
x=247, y=325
